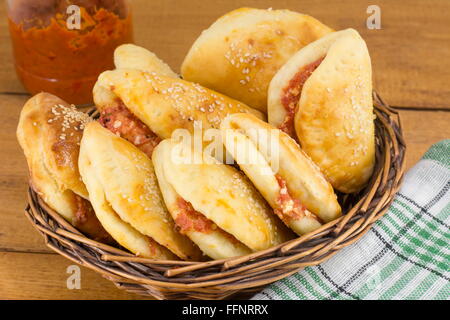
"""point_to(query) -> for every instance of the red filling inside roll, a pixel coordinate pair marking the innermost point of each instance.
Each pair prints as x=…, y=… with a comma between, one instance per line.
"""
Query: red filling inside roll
x=84, y=209
x=189, y=219
x=290, y=208
x=122, y=122
x=86, y=220
x=291, y=95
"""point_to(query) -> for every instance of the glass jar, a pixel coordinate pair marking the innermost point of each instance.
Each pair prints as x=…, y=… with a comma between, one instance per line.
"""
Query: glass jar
x=61, y=46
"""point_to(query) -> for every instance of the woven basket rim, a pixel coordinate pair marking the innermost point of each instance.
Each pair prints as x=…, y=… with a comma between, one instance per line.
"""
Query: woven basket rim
x=219, y=279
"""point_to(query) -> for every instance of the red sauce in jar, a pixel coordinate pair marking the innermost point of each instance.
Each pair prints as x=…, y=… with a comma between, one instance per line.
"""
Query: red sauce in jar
x=291, y=96
x=50, y=57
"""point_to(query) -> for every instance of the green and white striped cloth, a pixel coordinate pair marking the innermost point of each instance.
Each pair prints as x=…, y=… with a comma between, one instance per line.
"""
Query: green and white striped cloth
x=406, y=255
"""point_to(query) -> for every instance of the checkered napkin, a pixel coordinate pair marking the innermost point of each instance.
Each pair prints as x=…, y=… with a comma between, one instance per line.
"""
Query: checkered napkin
x=406, y=255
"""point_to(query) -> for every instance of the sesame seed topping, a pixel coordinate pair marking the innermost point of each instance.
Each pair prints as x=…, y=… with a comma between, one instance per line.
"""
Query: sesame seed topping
x=69, y=117
x=117, y=124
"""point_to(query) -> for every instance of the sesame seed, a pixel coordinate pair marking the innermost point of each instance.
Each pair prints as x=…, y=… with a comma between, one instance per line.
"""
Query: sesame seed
x=117, y=124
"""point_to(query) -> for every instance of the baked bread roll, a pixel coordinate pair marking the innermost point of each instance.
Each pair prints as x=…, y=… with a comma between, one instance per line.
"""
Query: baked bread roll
x=130, y=56
x=214, y=204
x=164, y=104
x=115, y=116
x=49, y=132
x=324, y=92
x=124, y=192
x=286, y=177
x=122, y=122
x=240, y=53
x=145, y=107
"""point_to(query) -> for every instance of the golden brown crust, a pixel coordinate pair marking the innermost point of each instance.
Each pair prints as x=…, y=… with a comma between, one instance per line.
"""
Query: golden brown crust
x=122, y=232
x=59, y=127
x=240, y=53
x=303, y=178
x=130, y=56
x=215, y=243
x=223, y=195
x=334, y=118
x=128, y=184
x=49, y=132
x=165, y=104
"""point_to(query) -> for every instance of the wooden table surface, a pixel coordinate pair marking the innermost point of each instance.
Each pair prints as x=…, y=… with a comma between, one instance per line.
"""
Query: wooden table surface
x=411, y=62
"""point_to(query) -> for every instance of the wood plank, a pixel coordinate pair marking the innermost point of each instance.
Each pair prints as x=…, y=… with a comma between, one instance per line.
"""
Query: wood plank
x=411, y=53
x=422, y=129
x=15, y=230
x=44, y=276
x=9, y=81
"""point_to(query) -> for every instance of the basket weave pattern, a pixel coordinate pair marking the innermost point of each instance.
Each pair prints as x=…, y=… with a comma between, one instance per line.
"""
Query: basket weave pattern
x=221, y=279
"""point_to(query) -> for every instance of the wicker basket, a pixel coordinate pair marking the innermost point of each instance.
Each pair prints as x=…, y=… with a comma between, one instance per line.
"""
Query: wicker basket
x=244, y=275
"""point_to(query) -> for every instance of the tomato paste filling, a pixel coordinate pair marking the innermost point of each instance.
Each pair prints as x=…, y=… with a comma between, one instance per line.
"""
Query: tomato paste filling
x=120, y=121
x=189, y=219
x=153, y=246
x=84, y=210
x=291, y=95
x=86, y=219
x=289, y=208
